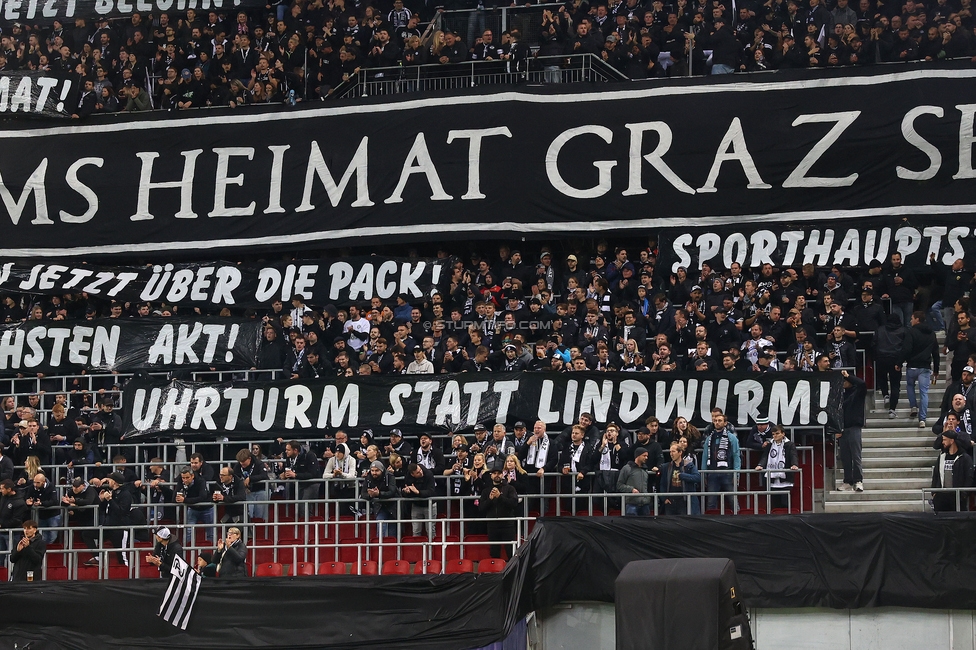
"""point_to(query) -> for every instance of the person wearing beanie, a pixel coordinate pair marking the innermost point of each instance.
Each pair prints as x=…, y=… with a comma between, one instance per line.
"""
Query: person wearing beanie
x=379, y=488
x=633, y=480
x=953, y=469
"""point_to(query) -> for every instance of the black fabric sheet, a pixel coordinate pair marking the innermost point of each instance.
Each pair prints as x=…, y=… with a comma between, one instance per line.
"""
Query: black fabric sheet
x=885, y=142
x=839, y=561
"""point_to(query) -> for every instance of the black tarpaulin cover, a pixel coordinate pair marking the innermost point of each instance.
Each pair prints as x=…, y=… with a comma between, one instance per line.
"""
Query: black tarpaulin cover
x=839, y=561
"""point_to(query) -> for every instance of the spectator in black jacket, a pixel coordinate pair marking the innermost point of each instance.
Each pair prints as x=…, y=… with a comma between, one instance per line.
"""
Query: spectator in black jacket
x=499, y=500
x=303, y=466
x=28, y=555
x=849, y=439
x=13, y=513
x=252, y=472
x=380, y=487
x=418, y=488
x=42, y=494
x=194, y=495
x=954, y=469
x=271, y=356
x=167, y=548
x=725, y=47
x=889, y=341
x=920, y=354
x=900, y=285
x=115, y=506
x=231, y=494
x=231, y=555
x=576, y=462
x=6, y=467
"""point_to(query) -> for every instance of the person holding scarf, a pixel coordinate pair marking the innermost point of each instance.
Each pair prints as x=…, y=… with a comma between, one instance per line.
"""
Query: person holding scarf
x=539, y=459
x=577, y=461
x=779, y=454
x=721, y=452
x=613, y=451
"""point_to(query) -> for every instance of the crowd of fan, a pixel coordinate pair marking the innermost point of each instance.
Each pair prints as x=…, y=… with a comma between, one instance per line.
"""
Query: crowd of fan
x=397, y=480
x=605, y=310
x=304, y=50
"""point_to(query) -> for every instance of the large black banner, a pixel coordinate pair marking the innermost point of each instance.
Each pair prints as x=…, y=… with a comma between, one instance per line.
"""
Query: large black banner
x=32, y=94
x=225, y=284
x=126, y=345
x=45, y=12
x=420, y=403
x=792, y=244
x=879, y=142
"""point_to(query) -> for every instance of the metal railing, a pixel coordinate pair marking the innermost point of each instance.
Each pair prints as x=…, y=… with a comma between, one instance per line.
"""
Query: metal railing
x=352, y=529
x=576, y=68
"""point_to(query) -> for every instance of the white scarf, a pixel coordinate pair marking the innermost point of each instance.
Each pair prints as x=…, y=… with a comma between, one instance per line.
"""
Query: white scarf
x=538, y=452
x=576, y=458
x=605, y=458
x=777, y=460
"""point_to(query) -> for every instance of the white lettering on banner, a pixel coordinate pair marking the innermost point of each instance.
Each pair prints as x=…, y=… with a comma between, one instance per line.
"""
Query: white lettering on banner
x=654, y=158
x=207, y=403
x=335, y=411
x=95, y=346
x=87, y=193
x=603, y=166
x=419, y=162
x=359, y=165
x=545, y=412
x=966, y=140
x=185, y=185
x=798, y=177
x=787, y=409
x=443, y=403
x=222, y=181
x=852, y=246
x=33, y=186
x=634, y=400
x=395, y=415
x=735, y=140
x=474, y=137
x=913, y=138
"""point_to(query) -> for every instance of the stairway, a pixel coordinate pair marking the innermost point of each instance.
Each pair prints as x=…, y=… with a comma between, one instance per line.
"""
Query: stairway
x=897, y=458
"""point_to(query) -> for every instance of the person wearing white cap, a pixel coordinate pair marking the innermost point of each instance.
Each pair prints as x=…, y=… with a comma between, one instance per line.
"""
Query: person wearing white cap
x=760, y=434
x=965, y=387
x=167, y=547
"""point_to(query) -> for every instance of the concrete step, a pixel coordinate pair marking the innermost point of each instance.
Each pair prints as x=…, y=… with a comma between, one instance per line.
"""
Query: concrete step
x=876, y=495
x=898, y=452
x=875, y=506
x=904, y=441
x=887, y=484
x=911, y=462
x=893, y=431
x=911, y=473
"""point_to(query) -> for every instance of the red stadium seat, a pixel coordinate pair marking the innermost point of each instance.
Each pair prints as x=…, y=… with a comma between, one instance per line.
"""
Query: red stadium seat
x=303, y=569
x=367, y=568
x=351, y=551
x=396, y=567
x=332, y=569
x=412, y=549
x=270, y=570
x=476, y=547
x=118, y=573
x=57, y=573
x=430, y=566
x=459, y=566
x=491, y=565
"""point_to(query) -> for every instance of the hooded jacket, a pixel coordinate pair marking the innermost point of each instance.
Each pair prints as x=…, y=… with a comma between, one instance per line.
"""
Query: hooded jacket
x=921, y=349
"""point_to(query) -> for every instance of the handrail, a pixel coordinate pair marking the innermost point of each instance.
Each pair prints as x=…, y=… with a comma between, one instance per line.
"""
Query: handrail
x=433, y=76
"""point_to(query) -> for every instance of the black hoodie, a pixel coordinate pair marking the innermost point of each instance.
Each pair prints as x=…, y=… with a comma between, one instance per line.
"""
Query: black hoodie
x=921, y=350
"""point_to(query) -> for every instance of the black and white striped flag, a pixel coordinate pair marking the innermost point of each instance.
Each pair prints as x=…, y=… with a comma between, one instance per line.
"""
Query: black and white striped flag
x=178, y=602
